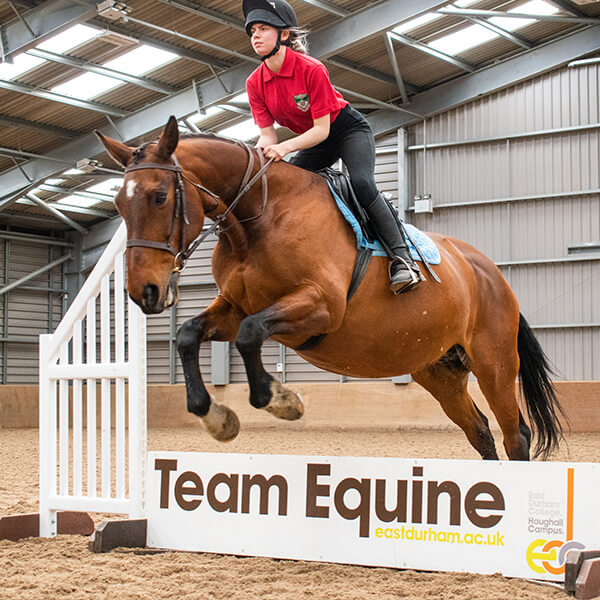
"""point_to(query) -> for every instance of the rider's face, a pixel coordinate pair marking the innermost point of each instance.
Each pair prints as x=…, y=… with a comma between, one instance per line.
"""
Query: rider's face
x=263, y=38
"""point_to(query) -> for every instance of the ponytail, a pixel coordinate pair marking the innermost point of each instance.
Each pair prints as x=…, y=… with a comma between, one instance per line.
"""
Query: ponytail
x=297, y=40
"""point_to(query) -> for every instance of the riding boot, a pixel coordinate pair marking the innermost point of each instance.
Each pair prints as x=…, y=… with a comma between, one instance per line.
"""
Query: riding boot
x=404, y=272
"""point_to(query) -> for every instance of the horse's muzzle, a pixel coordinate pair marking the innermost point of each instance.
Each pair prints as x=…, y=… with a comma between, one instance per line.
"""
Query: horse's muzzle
x=150, y=301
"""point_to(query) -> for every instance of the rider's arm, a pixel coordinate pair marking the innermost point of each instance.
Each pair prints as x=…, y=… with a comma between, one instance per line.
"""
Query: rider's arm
x=268, y=137
x=315, y=135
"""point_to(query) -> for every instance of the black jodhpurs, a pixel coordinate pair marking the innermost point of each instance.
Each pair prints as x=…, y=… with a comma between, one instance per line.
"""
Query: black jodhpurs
x=351, y=139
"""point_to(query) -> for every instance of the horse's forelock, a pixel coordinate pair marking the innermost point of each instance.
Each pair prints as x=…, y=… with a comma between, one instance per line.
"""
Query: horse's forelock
x=140, y=152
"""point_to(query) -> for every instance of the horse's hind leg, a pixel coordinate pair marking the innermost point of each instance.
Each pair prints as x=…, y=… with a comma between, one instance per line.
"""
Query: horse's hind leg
x=496, y=364
x=293, y=315
x=219, y=322
x=447, y=381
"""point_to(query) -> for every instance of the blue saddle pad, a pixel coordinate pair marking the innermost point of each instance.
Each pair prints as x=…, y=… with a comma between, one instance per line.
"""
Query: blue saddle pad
x=425, y=243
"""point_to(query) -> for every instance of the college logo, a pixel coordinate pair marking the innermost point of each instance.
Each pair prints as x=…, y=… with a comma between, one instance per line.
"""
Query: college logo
x=549, y=556
x=302, y=102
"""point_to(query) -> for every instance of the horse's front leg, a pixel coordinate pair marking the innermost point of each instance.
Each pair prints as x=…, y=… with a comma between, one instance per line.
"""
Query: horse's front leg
x=219, y=322
x=302, y=313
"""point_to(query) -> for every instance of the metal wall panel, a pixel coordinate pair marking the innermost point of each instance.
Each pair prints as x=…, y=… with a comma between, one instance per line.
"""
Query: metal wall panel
x=26, y=313
x=520, y=171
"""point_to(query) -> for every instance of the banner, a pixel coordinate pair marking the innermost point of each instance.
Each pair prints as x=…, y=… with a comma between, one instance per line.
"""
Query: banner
x=515, y=518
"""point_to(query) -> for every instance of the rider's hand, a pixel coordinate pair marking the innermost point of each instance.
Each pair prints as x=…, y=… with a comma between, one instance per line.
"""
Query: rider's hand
x=276, y=151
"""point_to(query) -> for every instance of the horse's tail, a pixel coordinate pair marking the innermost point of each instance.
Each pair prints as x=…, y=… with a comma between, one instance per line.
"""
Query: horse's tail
x=542, y=404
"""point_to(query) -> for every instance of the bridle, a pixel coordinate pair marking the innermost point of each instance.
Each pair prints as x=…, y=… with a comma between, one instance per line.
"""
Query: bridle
x=180, y=212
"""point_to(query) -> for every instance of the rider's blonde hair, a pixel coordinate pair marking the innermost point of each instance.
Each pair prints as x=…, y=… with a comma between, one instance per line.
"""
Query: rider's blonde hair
x=298, y=39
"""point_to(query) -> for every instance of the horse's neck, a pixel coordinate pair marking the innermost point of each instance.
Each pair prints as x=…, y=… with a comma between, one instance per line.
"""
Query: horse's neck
x=222, y=172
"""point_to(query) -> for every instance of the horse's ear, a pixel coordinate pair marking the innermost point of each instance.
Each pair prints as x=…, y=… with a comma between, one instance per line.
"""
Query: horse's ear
x=119, y=152
x=169, y=139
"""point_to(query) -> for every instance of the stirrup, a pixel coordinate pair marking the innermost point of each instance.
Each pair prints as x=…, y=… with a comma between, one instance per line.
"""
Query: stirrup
x=405, y=286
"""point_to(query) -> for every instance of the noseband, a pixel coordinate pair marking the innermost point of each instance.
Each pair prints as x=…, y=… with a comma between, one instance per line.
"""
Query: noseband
x=180, y=212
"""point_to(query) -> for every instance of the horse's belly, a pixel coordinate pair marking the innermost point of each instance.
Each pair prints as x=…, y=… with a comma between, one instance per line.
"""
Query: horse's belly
x=382, y=351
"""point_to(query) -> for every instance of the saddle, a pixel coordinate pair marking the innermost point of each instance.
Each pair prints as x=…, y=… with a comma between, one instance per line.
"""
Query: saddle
x=367, y=241
x=340, y=184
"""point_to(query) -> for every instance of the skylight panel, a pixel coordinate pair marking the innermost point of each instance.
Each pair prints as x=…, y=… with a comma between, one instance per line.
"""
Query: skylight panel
x=246, y=130
x=475, y=35
x=87, y=86
x=536, y=7
x=139, y=61
x=198, y=117
x=108, y=186
x=69, y=39
x=54, y=181
x=428, y=17
x=79, y=201
x=21, y=64
x=466, y=38
x=414, y=23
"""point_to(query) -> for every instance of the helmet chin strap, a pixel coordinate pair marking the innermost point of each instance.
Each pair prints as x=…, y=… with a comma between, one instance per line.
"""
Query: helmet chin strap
x=275, y=49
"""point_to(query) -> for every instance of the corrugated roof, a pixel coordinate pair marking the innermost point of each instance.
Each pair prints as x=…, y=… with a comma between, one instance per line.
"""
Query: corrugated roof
x=420, y=70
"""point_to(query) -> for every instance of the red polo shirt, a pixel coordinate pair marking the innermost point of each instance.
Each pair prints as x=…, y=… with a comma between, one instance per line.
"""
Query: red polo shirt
x=295, y=96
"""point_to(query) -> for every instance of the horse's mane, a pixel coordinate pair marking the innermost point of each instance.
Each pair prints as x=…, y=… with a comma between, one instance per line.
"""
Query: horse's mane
x=140, y=152
x=208, y=136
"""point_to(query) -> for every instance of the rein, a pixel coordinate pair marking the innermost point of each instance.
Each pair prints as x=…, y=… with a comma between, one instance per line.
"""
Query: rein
x=180, y=212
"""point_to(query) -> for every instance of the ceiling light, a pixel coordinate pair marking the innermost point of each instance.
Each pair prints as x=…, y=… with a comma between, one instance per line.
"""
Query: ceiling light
x=87, y=165
x=113, y=11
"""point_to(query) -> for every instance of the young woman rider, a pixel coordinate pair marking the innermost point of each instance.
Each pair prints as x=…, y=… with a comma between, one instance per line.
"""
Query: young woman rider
x=294, y=90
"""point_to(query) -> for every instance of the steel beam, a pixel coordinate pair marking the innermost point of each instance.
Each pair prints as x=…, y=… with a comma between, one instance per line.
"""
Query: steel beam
x=45, y=20
x=207, y=13
x=56, y=213
x=352, y=29
x=24, y=154
x=78, y=63
x=29, y=90
x=376, y=102
x=76, y=192
x=25, y=3
x=509, y=35
x=427, y=49
x=40, y=271
x=353, y=67
x=490, y=79
x=471, y=12
x=195, y=55
x=368, y=22
x=32, y=238
x=189, y=38
x=39, y=127
x=329, y=7
x=69, y=208
x=394, y=61
x=568, y=7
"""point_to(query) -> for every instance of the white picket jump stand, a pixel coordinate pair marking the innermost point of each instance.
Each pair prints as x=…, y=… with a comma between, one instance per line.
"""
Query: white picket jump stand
x=115, y=483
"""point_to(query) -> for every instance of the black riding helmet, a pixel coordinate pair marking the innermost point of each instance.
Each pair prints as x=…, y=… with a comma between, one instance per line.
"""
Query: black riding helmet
x=277, y=13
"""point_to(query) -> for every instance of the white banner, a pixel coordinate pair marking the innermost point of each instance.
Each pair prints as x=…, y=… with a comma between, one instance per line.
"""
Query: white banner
x=518, y=519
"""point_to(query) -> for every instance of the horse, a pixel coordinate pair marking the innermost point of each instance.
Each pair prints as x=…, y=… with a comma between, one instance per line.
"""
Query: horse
x=283, y=264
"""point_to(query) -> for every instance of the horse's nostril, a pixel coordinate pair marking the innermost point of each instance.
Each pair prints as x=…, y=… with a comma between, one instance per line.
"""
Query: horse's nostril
x=150, y=295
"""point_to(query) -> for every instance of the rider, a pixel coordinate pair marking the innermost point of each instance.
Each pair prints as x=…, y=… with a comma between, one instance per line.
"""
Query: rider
x=294, y=89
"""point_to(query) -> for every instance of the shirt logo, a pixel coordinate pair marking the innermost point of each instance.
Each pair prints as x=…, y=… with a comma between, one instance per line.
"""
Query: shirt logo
x=302, y=102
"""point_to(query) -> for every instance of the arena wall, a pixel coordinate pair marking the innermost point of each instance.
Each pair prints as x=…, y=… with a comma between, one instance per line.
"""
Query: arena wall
x=328, y=404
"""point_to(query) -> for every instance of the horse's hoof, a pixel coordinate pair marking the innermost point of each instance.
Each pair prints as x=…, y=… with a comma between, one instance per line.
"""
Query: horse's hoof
x=221, y=422
x=284, y=403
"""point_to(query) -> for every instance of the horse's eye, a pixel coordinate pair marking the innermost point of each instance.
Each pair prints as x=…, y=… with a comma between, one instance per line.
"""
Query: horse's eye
x=159, y=198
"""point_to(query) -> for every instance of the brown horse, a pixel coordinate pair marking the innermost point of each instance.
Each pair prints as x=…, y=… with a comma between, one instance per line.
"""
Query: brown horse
x=283, y=265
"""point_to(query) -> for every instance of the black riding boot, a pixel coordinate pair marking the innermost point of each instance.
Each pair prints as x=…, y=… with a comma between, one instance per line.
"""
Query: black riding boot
x=404, y=272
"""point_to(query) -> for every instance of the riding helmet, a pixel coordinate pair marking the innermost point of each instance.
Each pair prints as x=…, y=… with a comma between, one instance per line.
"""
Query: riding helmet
x=277, y=13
